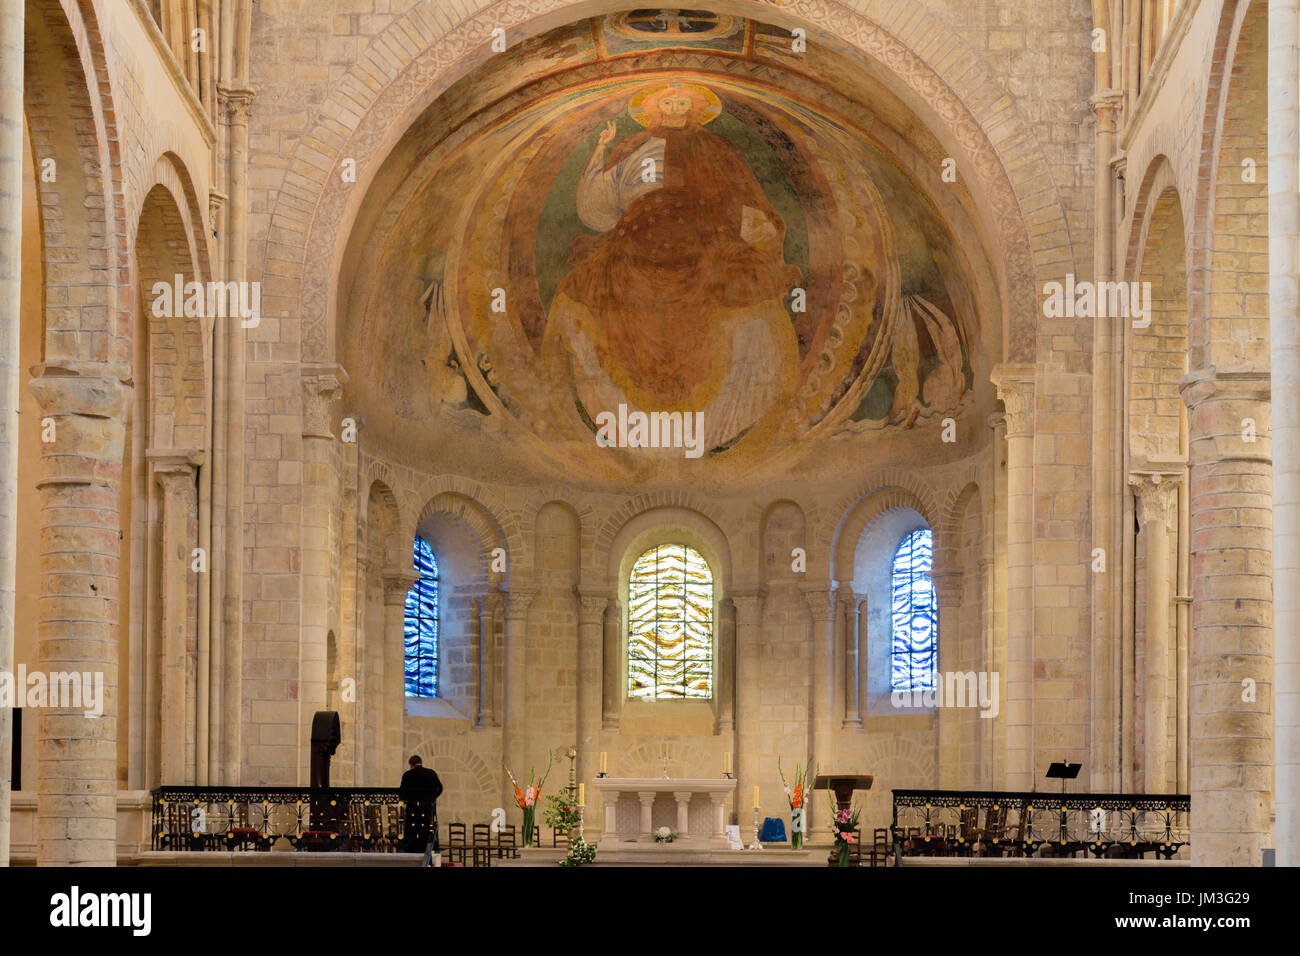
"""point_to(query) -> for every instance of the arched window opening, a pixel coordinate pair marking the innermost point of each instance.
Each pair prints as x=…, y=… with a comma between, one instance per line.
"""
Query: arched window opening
x=421, y=645
x=915, y=614
x=670, y=625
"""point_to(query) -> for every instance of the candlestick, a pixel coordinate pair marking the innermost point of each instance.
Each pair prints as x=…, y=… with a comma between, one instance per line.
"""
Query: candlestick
x=756, y=845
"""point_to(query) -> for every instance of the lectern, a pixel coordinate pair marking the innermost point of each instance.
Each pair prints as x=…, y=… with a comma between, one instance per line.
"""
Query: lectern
x=1063, y=771
x=326, y=735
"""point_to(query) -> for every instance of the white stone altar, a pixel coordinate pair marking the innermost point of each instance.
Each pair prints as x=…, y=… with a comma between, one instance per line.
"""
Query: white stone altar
x=695, y=809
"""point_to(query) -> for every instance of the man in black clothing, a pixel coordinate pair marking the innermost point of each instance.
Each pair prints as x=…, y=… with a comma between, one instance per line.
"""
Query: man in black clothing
x=420, y=791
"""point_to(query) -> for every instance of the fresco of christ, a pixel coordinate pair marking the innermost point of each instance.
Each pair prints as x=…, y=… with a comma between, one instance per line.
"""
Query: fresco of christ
x=677, y=303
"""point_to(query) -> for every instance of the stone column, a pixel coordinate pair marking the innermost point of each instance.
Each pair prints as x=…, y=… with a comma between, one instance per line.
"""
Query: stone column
x=683, y=813
x=948, y=592
x=591, y=617
x=397, y=584
x=1157, y=501
x=996, y=600
x=749, y=624
x=321, y=491
x=11, y=243
x=647, y=798
x=611, y=814
x=718, y=802
x=487, y=713
x=174, y=472
x=1231, y=767
x=1015, y=385
x=613, y=690
x=80, y=487
x=512, y=704
x=726, y=667
x=228, y=451
x=1284, y=342
x=821, y=605
x=854, y=632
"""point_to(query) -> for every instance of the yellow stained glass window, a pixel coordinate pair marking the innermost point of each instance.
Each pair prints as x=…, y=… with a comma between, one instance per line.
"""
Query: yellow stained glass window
x=670, y=625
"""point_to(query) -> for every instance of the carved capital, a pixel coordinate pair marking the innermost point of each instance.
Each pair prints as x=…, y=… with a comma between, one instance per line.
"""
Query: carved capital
x=235, y=102
x=749, y=606
x=1106, y=104
x=948, y=586
x=821, y=602
x=1015, y=385
x=1157, y=496
x=322, y=386
x=593, y=604
x=517, y=602
x=397, y=584
x=175, y=467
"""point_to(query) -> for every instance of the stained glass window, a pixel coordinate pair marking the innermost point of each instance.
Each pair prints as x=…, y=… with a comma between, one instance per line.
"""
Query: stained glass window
x=422, y=625
x=916, y=614
x=670, y=625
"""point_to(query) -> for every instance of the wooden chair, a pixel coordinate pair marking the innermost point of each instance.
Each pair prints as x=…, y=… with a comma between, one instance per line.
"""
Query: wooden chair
x=481, y=848
x=560, y=838
x=880, y=847
x=457, y=847
x=242, y=835
x=507, y=847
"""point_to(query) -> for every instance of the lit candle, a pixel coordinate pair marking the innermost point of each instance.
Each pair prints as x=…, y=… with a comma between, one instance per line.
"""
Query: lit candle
x=602, y=761
x=755, y=796
x=726, y=762
x=582, y=792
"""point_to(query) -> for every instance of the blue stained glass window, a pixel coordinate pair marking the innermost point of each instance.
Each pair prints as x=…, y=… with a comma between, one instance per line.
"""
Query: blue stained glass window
x=916, y=615
x=422, y=625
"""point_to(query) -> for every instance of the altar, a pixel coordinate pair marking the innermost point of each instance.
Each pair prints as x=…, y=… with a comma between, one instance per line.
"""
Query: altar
x=694, y=809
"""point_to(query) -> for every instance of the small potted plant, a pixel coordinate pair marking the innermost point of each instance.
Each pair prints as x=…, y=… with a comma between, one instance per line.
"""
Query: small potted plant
x=580, y=852
x=664, y=835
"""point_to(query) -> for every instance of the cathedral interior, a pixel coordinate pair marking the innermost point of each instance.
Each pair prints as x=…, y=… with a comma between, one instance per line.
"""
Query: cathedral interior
x=353, y=361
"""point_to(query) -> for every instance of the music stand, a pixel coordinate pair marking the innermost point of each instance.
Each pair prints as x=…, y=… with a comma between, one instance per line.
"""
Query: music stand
x=1065, y=771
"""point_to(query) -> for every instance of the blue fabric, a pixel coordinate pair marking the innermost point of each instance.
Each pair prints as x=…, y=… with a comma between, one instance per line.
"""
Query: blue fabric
x=772, y=831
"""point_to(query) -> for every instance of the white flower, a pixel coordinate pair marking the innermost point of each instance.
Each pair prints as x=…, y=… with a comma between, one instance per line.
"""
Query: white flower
x=664, y=832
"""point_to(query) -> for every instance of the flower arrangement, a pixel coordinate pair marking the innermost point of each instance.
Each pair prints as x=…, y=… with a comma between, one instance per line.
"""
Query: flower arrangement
x=664, y=835
x=527, y=797
x=798, y=797
x=844, y=822
x=580, y=852
x=561, y=813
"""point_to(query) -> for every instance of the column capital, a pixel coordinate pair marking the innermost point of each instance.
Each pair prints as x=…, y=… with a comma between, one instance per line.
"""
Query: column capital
x=397, y=584
x=235, y=101
x=1015, y=386
x=592, y=605
x=948, y=586
x=175, y=462
x=1157, y=496
x=322, y=385
x=1106, y=104
x=821, y=602
x=517, y=602
x=749, y=604
x=93, y=389
x=1229, y=414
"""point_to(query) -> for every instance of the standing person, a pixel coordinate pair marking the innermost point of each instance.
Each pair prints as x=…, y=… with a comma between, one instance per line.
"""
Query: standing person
x=420, y=790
